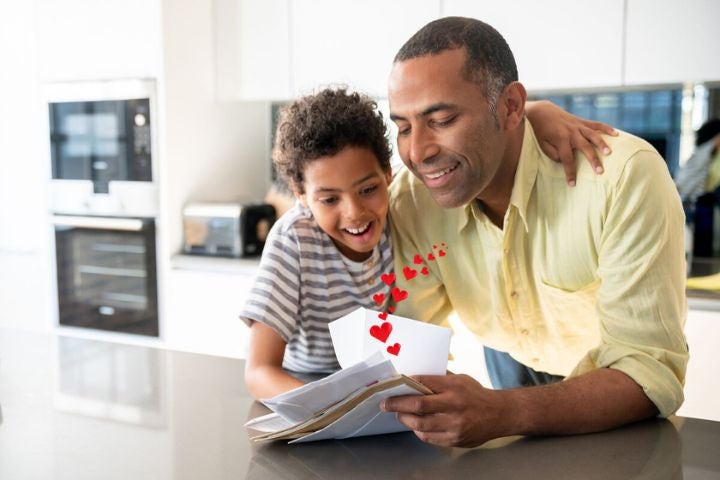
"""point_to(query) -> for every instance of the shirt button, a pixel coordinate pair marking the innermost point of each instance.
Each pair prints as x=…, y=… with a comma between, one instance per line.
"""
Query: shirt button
x=514, y=294
x=524, y=331
x=506, y=251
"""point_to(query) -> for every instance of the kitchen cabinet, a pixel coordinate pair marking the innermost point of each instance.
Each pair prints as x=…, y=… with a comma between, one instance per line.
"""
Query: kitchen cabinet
x=252, y=40
x=672, y=42
x=352, y=41
x=86, y=39
x=556, y=43
x=702, y=382
x=201, y=311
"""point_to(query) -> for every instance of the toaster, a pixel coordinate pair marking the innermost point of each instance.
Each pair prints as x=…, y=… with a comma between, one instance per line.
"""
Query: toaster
x=226, y=229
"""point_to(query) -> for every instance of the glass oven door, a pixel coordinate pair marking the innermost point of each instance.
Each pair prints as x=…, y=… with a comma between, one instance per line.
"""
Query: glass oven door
x=107, y=274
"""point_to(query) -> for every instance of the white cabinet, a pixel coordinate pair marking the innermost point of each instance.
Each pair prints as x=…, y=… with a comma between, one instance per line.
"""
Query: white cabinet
x=253, y=49
x=669, y=41
x=87, y=39
x=556, y=43
x=702, y=383
x=201, y=312
x=352, y=41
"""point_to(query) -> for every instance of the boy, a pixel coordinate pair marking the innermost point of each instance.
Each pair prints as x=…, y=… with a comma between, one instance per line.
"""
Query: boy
x=325, y=257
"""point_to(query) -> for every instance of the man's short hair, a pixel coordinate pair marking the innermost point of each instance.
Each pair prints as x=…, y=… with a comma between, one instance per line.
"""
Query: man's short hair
x=490, y=62
x=322, y=125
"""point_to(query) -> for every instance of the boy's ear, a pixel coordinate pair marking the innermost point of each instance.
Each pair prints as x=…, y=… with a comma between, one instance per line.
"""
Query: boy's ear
x=389, y=176
x=301, y=197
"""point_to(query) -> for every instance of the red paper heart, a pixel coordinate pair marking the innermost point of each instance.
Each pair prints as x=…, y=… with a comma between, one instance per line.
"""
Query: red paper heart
x=431, y=257
x=394, y=349
x=434, y=247
x=379, y=297
x=382, y=316
x=391, y=309
x=387, y=278
x=399, y=295
x=425, y=271
x=441, y=253
x=382, y=332
x=417, y=260
x=409, y=273
x=443, y=244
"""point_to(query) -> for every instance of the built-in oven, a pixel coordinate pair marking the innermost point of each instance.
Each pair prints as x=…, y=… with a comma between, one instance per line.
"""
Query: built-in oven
x=104, y=203
x=106, y=273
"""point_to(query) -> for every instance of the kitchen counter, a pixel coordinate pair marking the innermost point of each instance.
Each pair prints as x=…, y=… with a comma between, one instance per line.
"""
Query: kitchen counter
x=78, y=408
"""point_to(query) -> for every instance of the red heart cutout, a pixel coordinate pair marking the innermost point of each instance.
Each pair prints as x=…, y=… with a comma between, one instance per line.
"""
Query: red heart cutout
x=379, y=297
x=382, y=332
x=442, y=253
x=409, y=273
x=387, y=278
x=434, y=247
x=443, y=244
x=431, y=257
x=399, y=295
x=391, y=309
x=382, y=316
x=417, y=260
x=394, y=349
x=425, y=271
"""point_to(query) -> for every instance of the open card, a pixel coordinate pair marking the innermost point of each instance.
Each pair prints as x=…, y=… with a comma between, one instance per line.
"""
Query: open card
x=415, y=348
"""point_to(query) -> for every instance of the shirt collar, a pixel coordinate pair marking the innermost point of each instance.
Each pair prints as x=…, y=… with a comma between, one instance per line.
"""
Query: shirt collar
x=525, y=176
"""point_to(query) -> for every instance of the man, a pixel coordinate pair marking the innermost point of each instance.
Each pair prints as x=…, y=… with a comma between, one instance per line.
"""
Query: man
x=583, y=283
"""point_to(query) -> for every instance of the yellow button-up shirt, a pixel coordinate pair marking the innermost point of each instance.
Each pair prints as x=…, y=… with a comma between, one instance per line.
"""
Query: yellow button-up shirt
x=578, y=278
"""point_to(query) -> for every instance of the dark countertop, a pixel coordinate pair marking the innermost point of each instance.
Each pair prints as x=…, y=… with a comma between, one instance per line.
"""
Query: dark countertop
x=78, y=408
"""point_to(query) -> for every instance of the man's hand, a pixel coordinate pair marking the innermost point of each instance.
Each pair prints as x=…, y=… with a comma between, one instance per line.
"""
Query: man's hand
x=460, y=413
x=559, y=133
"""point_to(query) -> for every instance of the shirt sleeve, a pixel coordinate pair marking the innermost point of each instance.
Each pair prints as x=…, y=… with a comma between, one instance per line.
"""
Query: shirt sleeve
x=275, y=295
x=641, y=301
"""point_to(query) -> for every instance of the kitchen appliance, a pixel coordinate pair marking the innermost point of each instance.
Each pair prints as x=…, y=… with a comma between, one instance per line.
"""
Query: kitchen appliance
x=104, y=203
x=226, y=229
x=102, y=147
x=106, y=273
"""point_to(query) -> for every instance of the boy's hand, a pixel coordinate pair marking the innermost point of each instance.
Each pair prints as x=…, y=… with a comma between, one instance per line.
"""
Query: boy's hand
x=560, y=132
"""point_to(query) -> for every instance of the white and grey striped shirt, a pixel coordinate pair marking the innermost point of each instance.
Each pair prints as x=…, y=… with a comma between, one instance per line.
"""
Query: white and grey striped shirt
x=304, y=283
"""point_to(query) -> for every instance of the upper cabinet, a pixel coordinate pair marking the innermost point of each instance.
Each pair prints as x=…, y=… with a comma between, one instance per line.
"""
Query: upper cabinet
x=670, y=41
x=352, y=42
x=252, y=41
x=279, y=49
x=556, y=43
x=87, y=39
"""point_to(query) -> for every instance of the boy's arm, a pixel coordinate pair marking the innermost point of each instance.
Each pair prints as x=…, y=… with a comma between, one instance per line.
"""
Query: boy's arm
x=559, y=133
x=264, y=375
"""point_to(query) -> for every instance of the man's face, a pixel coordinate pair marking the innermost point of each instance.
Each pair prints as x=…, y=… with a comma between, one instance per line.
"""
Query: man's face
x=447, y=135
x=347, y=194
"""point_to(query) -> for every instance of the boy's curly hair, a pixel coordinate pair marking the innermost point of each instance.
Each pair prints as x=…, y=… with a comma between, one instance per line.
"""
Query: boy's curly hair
x=323, y=124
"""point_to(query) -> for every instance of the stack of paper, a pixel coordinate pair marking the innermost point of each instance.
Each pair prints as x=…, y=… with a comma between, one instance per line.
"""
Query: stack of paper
x=347, y=403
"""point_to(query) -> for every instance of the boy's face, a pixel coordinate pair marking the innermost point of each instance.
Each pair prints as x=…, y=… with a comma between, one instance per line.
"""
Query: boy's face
x=348, y=196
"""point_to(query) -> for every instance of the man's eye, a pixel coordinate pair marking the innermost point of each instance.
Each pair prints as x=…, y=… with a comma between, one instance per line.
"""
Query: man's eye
x=443, y=122
x=328, y=200
x=403, y=131
x=368, y=190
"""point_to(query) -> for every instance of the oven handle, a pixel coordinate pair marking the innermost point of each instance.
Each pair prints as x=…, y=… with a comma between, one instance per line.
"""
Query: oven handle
x=99, y=223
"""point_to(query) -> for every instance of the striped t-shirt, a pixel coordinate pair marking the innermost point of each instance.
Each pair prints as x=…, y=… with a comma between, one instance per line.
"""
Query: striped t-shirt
x=304, y=282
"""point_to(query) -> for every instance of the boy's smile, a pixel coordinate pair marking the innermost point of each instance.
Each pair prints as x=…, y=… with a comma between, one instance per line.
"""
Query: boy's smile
x=347, y=194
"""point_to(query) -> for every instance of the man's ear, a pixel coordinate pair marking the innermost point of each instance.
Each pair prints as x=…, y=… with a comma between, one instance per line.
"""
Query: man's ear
x=513, y=98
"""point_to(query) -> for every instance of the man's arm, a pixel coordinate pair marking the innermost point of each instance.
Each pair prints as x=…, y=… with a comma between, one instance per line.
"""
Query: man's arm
x=464, y=413
x=559, y=133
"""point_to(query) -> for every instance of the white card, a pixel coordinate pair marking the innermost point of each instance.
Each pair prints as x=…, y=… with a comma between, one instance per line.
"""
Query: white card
x=415, y=348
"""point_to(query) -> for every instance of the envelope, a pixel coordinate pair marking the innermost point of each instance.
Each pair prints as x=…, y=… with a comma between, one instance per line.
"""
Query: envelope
x=413, y=347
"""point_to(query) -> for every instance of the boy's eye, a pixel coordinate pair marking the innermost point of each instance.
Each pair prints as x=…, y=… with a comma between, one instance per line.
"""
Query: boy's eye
x=368, y=190
x=328, y=200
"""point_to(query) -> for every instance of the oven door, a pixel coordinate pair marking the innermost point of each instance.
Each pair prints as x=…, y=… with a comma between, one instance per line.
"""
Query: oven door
x=107, y=274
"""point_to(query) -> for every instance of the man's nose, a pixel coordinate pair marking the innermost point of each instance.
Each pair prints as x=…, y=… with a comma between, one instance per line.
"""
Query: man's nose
x=421, y=146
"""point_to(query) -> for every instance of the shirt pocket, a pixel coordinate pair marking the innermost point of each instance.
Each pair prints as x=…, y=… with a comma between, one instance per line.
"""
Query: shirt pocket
x=569, y=313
